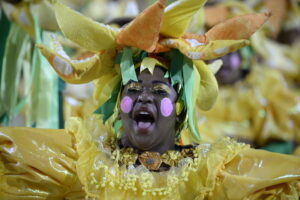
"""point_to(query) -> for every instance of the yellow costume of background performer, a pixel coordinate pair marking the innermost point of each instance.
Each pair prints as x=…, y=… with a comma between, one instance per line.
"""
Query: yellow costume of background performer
x=84, y=160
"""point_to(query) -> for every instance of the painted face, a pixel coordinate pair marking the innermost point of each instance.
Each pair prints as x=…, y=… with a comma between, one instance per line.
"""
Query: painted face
x=148, y=111
x=231, y=70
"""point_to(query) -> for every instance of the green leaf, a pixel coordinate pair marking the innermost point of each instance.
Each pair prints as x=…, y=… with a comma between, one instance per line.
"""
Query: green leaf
x=188, y=76
x=127, y=66
x=176, y=65
x=107, y=109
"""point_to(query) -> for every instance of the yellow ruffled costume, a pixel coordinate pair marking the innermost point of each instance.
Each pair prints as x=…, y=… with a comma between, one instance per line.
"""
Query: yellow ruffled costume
x=46, y=164
x=258, y=110
x=261, y=108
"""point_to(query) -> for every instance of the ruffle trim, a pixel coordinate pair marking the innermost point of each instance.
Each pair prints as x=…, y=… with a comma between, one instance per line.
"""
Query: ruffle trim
x=99, y=173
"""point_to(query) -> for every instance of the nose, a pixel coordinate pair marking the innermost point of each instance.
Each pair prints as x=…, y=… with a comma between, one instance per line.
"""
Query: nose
x=145, y=97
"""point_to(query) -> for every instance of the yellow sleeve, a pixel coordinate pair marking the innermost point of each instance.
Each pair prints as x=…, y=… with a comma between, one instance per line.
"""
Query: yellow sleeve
x=257, y=174
x=38, y=164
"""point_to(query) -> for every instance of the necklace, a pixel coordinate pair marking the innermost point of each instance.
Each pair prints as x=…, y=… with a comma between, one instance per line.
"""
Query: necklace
x=151, y=160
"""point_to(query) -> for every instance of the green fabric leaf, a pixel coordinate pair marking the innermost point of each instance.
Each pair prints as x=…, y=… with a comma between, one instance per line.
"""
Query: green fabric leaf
x=16, y=55
x=44, y=89
x=188, y=76
x=140, y=57
x=280, y=147
x=175, y=69
x=247, y=55
x=117, y=126
x=127, y=66
x=107, y=109
x=5, y=26
x=118, y=58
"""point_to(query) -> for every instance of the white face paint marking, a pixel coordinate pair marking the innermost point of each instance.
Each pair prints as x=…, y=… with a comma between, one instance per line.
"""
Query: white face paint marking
x=62, y=66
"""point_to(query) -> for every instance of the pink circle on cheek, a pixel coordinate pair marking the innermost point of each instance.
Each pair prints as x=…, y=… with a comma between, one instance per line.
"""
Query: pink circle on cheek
x=166, y=107
x=126, y=104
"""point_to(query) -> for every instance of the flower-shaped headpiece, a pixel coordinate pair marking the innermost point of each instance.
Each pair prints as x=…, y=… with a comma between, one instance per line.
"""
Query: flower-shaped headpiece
x=155, y=37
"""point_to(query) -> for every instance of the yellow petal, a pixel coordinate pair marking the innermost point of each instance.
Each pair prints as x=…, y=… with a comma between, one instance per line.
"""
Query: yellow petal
x=150, y=63
x=196, y=51
x=208, y=90
x=20, y=13
x=104, y=87
x=87, y=33
x=178, y=15
x=143, y=31
x=237, y=28
x=215, y=66
x=78, y=71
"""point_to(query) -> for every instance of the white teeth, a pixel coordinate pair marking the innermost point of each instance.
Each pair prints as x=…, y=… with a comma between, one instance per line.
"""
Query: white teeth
x=144, y=113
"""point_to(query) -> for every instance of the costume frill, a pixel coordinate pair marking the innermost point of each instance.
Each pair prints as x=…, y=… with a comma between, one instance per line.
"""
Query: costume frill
x=75, y=163
x=259, y=109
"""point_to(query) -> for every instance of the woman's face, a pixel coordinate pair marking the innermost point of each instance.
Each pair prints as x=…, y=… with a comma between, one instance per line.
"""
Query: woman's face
x=148, y=111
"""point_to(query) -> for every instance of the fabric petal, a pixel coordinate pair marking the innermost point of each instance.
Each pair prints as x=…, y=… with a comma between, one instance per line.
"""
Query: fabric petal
x=143, y=31
x=20, y=13
x=211, y=50
x=237, y=28
x=88, y=34
x=208, y=90
x=178, y=15
x=105, y=86
x=78, y=71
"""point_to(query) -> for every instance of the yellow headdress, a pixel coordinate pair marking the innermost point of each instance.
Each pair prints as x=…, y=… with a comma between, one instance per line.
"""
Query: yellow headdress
x=22, y=14
x=154, y=32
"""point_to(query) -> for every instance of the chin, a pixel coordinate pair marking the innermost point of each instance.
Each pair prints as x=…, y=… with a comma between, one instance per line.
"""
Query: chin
x=143, y=143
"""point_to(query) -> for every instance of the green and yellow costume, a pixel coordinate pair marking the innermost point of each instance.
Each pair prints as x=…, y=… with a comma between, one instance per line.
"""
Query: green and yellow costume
x=84, y=159
x=263, y=107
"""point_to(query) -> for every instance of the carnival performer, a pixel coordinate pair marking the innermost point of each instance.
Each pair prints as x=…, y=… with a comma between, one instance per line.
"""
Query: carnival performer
x=256, y=103
x=149, y=76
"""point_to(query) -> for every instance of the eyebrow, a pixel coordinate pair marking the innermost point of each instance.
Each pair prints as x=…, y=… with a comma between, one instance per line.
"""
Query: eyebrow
x=132, y=81
x=162, y=82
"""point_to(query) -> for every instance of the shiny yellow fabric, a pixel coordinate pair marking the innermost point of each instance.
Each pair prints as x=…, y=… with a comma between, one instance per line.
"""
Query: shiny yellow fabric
x=87, y=33
x=78, y=71
x=40, y=164
x=208, y=88
x=178, y=16
x=200, y=51
x=20, y=13
x=258, y=109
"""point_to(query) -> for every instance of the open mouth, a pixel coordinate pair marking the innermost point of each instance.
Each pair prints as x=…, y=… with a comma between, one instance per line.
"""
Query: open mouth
x=144, y=120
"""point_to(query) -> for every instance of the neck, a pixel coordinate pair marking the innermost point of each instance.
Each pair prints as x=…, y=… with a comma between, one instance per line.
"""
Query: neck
x=160, y=147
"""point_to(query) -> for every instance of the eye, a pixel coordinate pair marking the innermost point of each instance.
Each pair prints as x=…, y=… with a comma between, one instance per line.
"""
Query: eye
x=160, y=90
x=134, y=88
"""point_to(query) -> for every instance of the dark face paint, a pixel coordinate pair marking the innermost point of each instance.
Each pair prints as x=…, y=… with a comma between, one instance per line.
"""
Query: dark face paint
x=145, y=127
